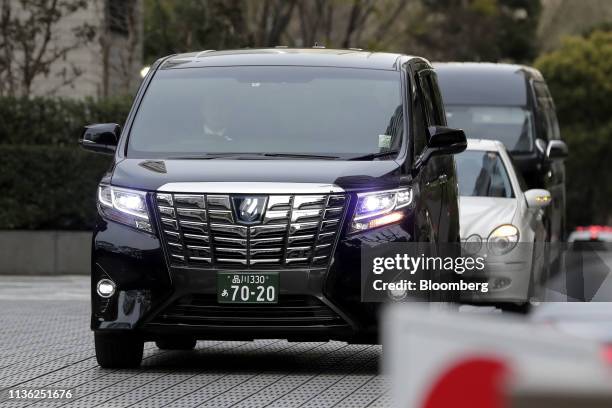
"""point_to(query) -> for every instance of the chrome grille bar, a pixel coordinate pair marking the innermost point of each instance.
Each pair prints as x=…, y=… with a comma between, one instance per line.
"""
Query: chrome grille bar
x=201, y=230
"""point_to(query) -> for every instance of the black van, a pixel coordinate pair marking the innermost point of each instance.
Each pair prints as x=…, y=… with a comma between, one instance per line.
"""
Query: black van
x=512, y=104
x=244, y=185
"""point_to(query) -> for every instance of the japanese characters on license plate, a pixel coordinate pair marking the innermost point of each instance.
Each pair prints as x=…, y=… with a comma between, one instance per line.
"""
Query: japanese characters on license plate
x=243, y=287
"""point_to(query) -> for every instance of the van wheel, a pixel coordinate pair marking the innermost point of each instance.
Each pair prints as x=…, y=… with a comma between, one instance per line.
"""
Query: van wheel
x=118, y=350
x=518, y=308
x=181, y=343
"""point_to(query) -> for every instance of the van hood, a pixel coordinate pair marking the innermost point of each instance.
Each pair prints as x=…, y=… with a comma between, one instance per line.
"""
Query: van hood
x=481, y=215
x=149, y=175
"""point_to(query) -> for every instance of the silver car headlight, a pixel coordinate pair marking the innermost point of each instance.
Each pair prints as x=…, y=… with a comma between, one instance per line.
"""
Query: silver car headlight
x=379, y=208
x=125, y=206
x=503, y=239
x=472, y=244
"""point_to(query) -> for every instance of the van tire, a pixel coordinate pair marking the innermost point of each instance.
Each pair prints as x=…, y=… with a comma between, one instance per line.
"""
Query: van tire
x=118, y=350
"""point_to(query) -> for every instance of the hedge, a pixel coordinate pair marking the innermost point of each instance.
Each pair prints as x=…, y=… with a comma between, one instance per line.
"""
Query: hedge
x=47, y=181
x=48, y=187
x=55, y=121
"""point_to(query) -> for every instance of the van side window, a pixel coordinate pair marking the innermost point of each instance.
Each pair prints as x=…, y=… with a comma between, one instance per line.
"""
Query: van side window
x=427, y=97
x=438, y=105
x=419, y=120
x=545, y=111
x=552, y=114
x=434, y=110
x=556, y=133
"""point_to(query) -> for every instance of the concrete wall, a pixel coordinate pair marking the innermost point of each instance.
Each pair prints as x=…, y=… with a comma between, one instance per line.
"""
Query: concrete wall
x=45, y=252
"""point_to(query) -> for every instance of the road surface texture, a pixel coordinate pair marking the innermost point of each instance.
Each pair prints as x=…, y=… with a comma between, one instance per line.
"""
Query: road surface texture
x=45, y=343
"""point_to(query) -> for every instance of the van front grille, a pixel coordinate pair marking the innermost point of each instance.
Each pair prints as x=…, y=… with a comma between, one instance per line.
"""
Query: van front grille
x=202, y=230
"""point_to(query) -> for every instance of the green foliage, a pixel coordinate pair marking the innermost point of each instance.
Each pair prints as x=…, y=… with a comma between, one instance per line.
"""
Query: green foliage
x=579, y=75
x=191, y=25
x=48, y=187
x=474, y=30
x=589, y=192
x=437, y=29
x=51, y=121
x=48, y=182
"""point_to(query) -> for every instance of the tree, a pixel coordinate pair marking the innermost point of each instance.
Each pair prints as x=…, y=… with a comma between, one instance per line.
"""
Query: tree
x=120, y=41
x=474, y=30
x=579, y=75
x=191, y=25
x=28, y=47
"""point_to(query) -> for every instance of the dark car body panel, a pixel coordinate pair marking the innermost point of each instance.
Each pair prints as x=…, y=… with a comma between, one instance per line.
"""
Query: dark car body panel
x=151, y=290
x=346, y=174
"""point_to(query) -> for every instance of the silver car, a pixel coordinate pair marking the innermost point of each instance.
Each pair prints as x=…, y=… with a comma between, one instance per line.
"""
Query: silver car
x=502, y=221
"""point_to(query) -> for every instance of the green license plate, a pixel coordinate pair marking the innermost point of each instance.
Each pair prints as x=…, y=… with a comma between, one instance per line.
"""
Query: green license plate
x=243, y=287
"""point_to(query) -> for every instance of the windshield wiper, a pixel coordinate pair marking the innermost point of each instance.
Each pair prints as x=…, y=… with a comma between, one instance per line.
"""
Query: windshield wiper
x=209, y=156
x=300, y=155
x=372, y=156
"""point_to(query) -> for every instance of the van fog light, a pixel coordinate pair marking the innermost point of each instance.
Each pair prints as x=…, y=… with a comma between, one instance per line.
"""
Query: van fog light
x=105, y=288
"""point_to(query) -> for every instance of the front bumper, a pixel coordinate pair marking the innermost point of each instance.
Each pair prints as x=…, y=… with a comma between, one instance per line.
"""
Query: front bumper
x=507, y=282
x=156, y=300
x=511, y=277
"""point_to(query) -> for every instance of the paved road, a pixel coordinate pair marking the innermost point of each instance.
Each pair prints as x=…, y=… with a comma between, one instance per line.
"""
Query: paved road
x=45, y=342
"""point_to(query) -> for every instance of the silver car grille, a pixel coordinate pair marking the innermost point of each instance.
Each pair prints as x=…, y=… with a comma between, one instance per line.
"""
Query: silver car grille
x=201, y=230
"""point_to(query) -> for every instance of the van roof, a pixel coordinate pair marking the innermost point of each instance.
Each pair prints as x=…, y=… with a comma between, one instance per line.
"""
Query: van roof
x=323, y=57
x=477, y=83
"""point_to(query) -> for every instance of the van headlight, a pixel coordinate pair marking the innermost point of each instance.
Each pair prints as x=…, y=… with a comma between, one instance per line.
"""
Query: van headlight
x=380, y=208
x=503, y=239
x=125, y=206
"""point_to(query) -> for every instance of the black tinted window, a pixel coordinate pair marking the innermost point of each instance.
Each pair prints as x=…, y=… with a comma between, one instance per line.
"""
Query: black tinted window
x=481, y=84
x=546, y=112
x=482, y=174
x=271, y=109
x=438, y=108
x=428, y=100
x=511, y=125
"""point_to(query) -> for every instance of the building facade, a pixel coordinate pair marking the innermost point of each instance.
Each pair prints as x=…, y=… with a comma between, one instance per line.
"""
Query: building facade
x=92, y=49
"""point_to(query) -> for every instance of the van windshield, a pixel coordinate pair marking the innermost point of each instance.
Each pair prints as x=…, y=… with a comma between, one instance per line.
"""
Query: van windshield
x=338, y=112
x=511, y=125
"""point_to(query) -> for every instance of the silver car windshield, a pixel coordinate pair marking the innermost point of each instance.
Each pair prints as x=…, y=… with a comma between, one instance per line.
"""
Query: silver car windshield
x=482, y=174
x=511, y=125
x=340, y=112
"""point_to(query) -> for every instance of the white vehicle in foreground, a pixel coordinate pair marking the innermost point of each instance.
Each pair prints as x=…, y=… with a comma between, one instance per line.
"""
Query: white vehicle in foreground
x=501, y=221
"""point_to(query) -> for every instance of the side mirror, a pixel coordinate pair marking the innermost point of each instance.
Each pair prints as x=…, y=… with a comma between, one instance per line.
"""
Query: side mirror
x=540, y=144
x=537, y=198
x=556, y=150
x=101, y=137
x=442, y=140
